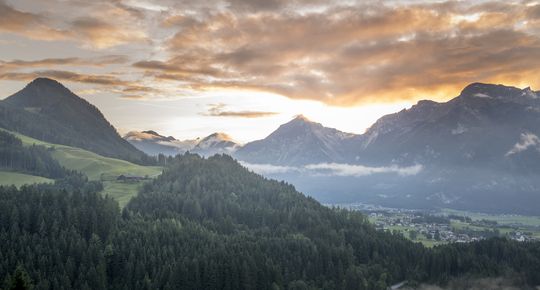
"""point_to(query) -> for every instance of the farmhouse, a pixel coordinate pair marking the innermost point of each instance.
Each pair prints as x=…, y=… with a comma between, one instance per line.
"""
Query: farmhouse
x=130, y=178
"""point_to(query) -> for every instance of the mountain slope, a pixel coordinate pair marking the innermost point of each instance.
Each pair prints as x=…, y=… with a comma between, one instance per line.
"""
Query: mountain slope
x=47, y=110
x=298, y=142
x=89, y=163
x=92, y=165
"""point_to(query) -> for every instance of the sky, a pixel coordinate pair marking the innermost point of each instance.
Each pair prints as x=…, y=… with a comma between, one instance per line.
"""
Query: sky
x=193, y=67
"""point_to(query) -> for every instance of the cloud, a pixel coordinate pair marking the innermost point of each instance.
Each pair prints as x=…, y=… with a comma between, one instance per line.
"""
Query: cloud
x=30, y=24
x=65, y=76
x=269, y=168
x=15, y=20
x=527, y=140
x=339, y=52
x=94, y=24
x=132, y=97
x=17, y=70
x=100, y=33
x=334, y=169
x=345, y=54
x=340, y=169
x=70, y=61
x=218, y=110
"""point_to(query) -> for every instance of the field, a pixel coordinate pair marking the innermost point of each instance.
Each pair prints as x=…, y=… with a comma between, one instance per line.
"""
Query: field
x=95, y=166
x=122, y=192
x=18, y=179
x=502, y=219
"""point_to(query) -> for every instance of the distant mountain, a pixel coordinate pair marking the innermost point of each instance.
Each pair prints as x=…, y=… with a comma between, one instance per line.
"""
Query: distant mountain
x=298, y=142
x=153, y=143
x=48, y=111
x=479, y=151
x=216, y=143
x=478, y=128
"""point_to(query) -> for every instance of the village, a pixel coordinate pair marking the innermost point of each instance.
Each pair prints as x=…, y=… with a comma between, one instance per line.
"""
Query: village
x=433, y=228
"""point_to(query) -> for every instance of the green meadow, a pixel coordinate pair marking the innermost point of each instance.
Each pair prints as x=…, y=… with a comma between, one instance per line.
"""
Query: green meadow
x=18, y=179
x=93, y=165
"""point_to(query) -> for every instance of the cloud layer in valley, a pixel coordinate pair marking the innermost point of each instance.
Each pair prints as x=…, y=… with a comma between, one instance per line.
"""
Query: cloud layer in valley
x=334, y=169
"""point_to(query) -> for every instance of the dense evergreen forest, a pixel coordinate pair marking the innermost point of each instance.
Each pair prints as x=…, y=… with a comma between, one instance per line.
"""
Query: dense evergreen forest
x=34, y=160
x=212, y=224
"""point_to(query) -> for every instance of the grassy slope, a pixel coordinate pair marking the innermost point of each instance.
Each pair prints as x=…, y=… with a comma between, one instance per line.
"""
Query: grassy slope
x=18, y=179
x=94, y=166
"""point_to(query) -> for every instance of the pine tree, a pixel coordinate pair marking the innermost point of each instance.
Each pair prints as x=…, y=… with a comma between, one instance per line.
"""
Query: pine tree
x=19, y=280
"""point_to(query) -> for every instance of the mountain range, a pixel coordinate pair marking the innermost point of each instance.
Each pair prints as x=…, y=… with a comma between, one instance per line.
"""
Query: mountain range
x=477, y=151
x=486, y=125
x=153, y=144
x=480, y=146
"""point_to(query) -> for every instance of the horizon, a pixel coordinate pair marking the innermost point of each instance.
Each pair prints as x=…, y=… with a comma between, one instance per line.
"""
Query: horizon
x=193, y=68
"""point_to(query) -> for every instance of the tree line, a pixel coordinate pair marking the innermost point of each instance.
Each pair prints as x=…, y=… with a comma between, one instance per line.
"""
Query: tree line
x=34, y=159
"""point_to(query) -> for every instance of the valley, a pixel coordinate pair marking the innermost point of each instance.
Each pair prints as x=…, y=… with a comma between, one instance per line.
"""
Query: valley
x=443, y=226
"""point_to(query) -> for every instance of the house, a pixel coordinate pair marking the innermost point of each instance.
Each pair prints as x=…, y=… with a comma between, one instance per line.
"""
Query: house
x=130, y=178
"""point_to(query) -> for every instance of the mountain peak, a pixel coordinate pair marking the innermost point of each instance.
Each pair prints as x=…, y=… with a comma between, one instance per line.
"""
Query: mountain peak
x=216, y=143
x=49, y=85
x=41, y=92
x=151, y=132
x=483, y=90
x=45, y=81
x=219, y=136
x=147, y=135
x=302, y=118
x=298, y=142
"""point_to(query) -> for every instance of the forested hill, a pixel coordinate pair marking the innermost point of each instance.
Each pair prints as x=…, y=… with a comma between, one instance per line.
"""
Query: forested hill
x=48, y=111
x=265, y=232
x=211, y=224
